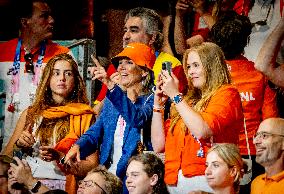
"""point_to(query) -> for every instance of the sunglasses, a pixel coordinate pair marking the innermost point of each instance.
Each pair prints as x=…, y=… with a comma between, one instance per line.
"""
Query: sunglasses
x=29, y=66
x=263, y=22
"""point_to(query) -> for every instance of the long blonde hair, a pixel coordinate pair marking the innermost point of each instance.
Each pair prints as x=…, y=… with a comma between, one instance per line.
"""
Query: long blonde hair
x=216, y=73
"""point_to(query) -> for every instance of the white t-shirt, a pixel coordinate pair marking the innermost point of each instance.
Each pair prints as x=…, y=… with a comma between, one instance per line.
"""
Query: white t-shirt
x=117, y=143
x=260, y=33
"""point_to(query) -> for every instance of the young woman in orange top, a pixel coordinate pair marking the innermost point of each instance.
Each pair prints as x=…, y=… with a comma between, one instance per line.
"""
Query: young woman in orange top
x=211, y=112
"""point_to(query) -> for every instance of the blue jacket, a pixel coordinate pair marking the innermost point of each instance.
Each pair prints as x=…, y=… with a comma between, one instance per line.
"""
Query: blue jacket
x=100, y=136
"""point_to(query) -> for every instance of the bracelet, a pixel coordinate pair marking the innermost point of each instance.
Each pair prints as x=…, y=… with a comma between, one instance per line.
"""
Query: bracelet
x=158, y=109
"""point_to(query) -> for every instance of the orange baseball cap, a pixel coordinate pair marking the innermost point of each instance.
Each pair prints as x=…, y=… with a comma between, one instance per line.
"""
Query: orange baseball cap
x=139, y=53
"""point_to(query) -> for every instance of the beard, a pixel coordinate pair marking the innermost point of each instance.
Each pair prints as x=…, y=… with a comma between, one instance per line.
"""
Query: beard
x=270, y=155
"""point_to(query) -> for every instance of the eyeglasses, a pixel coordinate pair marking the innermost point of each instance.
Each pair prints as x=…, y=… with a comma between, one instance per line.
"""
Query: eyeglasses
x=29, y=66
x=265, y=135
x=90, y=183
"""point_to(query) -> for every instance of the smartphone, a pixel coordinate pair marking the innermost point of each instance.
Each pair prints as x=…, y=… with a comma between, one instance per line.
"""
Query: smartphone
x=167, y=65
x=18, y=153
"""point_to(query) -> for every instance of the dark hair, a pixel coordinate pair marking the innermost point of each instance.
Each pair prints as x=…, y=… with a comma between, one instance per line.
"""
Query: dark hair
x=231, y=32
x=24, y=8
x=153, y=165
x=152, y=23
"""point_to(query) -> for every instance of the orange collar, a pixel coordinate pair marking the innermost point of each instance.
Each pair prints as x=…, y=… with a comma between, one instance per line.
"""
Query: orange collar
x=277, y=177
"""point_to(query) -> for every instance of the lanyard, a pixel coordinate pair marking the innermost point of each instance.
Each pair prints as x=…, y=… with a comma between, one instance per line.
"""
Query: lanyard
x=15, y=70
x=16, y=64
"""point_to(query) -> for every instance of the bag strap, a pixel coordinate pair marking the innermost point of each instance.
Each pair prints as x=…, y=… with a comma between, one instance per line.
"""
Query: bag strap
x=246, y=133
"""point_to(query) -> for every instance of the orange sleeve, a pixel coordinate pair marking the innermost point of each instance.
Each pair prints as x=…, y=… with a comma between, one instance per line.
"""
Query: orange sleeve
x=269, y=107
x=223, y=109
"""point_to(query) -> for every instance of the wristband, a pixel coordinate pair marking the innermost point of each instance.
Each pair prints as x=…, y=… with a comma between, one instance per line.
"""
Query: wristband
x=158, y=109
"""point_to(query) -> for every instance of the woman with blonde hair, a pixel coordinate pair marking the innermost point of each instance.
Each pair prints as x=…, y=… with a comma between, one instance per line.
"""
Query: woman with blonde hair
x=224, y=168
x=46, y=130
x=211, y=112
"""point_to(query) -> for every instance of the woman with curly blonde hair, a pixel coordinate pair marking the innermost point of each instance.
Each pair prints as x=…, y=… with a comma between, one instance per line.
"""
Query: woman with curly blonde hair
x=211, y=112
x=59, y=115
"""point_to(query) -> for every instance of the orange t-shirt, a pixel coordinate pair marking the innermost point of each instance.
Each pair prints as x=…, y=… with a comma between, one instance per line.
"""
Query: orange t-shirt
x=258, y=99
x=8, y=50
x=224, y=117
x=264, y=185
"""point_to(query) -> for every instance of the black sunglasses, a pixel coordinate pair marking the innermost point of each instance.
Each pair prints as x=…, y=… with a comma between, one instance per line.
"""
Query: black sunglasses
x=29, y=66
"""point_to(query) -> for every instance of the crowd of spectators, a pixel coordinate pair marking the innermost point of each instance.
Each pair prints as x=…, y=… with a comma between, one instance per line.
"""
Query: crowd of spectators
x=159, y=125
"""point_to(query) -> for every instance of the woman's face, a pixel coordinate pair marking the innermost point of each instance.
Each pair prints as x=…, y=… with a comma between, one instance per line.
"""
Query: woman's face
x=137, y=181
x=195, y=70
x=61, y=81
x=130, y=73
x=92, y=184
x=217, y=172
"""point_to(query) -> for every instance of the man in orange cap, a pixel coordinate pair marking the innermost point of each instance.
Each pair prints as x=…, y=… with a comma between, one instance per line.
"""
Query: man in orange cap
x=125, y=119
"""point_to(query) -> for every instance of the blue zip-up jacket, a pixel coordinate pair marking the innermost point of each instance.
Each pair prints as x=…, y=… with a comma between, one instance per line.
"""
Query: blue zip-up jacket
x=100, y=136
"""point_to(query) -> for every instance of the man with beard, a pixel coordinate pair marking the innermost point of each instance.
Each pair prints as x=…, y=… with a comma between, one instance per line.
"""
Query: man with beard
x=269, y=143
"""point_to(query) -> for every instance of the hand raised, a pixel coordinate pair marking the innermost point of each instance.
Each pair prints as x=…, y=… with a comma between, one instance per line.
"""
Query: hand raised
x=170, y=84
x=160, y=98
x=98, y=72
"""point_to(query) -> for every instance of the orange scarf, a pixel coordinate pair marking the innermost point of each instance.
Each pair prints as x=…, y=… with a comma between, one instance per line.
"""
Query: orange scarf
x=80, y=120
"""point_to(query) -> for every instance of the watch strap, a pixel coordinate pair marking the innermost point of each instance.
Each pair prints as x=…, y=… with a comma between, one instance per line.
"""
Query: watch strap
x=177, y=98
x=36, y=187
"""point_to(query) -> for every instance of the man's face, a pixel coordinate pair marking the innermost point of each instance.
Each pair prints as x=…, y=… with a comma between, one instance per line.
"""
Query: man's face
x=134, y=31
x=41, y=23
x=269, y=147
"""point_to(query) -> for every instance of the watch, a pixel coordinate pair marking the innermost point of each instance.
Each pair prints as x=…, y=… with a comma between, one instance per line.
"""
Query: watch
x=61, y=161
x=36, y=187
x=177, y=98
